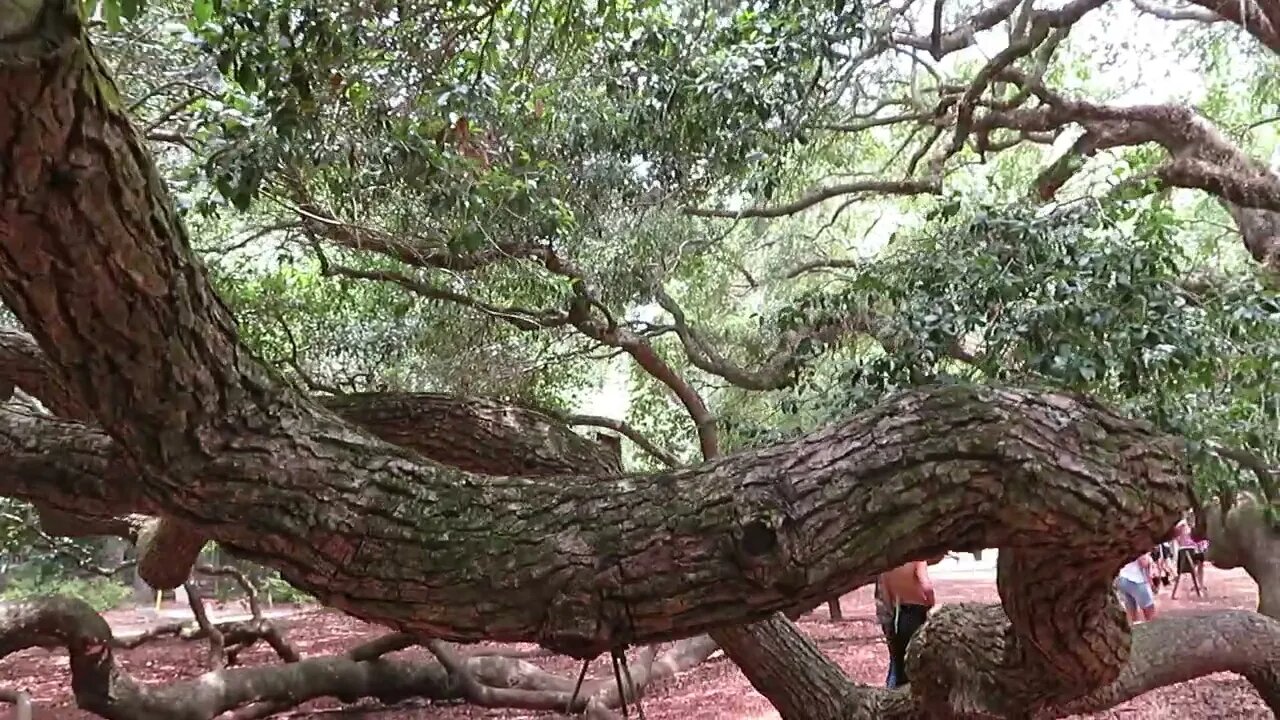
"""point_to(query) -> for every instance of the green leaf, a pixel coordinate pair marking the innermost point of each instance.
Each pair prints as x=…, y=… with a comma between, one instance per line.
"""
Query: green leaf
x=202, y=11
x=111, y=13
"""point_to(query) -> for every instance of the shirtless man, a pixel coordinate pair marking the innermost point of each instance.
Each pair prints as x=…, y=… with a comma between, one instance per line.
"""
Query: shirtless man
x=908, y=590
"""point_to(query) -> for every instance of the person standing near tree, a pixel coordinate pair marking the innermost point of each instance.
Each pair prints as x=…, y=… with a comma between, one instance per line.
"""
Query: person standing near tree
x=884, y=616
x=909, y=591
x=1134, y=585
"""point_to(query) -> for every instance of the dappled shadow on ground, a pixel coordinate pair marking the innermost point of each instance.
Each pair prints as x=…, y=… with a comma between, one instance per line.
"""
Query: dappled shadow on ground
x=713, y=691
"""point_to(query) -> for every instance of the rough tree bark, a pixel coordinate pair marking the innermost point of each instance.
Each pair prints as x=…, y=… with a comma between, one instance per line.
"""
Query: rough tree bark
x=521, y=441
x=98, y=268
x=1243, y=536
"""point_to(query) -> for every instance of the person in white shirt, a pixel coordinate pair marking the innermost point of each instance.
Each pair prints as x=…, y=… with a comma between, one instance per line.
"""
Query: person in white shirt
x=1134, y=585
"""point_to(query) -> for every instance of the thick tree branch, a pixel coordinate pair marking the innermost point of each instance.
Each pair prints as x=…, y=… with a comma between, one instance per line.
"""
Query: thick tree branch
x=512, y=440
x=516, y=441
x=1200, y=156
x=1176, y=649
x=1259, y=18
x=992, y=434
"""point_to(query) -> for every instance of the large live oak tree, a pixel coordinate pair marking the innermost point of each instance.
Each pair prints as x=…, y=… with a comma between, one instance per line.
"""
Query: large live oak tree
x=188, y=425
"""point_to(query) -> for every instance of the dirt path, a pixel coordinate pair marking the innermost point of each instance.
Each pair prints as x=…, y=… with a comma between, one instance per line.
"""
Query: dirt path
x=713, y=691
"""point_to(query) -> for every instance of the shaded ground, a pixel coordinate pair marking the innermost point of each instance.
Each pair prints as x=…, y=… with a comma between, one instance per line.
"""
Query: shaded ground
x=713, y=691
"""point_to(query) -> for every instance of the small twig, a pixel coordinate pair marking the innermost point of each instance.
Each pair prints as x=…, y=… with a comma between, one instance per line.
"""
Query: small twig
x=20, y=701
x=217, y=647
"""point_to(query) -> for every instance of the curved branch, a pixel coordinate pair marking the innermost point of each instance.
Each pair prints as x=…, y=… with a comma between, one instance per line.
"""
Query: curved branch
x=1200, y=156
x=416, y=252
x=474, y=434
x=1014, y=460
x=1259, y=18
x=522, y=318
x=104, y=688
x=886, y=187
x=963, y=36
x=1175, y=649
x=627, y=431
x=21, y=702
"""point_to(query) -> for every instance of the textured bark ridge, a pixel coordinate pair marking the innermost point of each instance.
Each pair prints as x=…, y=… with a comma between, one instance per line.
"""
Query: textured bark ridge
x=447, y=429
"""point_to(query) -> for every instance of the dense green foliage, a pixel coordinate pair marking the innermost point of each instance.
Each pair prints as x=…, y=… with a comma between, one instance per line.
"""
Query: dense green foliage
x=100, y=593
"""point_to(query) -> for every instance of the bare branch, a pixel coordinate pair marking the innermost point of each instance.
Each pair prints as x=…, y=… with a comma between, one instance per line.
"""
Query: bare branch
x=962, y=36
x=874, y=122
x=419, y=252
x=21, y=702
x=217, y=648
x=1259, y=18
x=778, y=371
x=522, y=318
x=627, y=431
x=887, y=187
x=250, y=591
x=1193, y=14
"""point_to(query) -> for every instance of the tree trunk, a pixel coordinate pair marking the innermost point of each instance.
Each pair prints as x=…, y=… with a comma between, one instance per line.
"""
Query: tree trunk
x=788, y=668
x=834, y=610
x=1243, y=536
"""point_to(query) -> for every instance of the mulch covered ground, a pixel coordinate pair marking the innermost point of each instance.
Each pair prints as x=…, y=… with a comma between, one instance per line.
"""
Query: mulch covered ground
x=713, y=691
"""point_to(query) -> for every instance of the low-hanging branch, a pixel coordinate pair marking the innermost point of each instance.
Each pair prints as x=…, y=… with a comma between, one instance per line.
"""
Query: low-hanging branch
x=752, y=533
x=1166, y=651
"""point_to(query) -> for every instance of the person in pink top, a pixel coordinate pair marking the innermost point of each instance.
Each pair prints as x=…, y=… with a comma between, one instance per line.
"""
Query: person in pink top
x=1185, y=542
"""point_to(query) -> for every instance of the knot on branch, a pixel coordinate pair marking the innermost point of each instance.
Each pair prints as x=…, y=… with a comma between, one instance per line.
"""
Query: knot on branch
x=758, y=538
x=764, y=542
x=958, y=662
